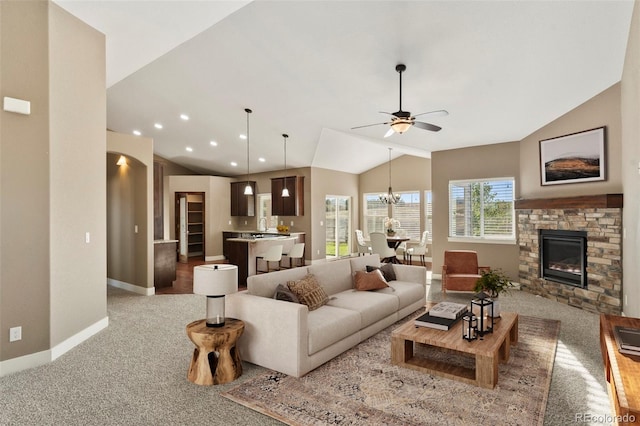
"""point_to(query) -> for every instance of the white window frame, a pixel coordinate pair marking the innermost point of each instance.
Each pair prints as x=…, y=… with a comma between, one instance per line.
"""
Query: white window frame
x=428, y=214
x=490, y=239
x=416, y=236
x=376, y=218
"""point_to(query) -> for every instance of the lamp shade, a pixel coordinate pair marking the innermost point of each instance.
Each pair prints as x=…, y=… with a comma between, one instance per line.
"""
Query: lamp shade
x=215, y=280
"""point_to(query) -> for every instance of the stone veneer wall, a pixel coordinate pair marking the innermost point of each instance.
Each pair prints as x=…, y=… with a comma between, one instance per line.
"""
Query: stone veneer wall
x=604, y=256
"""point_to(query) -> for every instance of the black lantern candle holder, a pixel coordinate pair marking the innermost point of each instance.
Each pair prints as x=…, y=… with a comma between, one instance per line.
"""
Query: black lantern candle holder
x=482, y=308
x=469, y=327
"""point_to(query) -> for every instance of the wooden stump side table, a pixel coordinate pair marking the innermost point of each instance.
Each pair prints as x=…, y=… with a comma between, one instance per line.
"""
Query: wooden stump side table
x=216, y=360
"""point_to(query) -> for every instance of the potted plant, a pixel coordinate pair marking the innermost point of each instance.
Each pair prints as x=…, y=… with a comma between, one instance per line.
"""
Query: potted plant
x=391, y=224
x=493, y=282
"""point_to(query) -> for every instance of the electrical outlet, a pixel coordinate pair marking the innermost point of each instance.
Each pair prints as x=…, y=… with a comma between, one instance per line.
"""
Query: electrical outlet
x=135, y=229
x=229, y=222
x=291, y=223
x=15, y=334
x=87, y=237
x=321, y=223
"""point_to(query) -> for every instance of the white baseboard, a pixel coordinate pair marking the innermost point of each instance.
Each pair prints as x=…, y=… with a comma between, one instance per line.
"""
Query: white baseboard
x=78, y=338
x=214, y=258
x=37, y=359
x=436, y=276
x=145, y=291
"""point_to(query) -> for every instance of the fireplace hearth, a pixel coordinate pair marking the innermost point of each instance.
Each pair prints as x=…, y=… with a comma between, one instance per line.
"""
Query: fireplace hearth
x=563, y=256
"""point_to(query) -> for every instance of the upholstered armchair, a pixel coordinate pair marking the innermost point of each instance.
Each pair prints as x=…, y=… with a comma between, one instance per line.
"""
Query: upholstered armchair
x=460, y=270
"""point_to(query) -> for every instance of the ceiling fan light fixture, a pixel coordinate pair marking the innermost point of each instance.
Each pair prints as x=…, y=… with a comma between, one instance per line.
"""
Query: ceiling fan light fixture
x=401, y=125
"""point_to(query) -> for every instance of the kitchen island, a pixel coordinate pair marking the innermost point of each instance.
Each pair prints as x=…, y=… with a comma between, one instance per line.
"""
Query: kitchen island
x=242, y=247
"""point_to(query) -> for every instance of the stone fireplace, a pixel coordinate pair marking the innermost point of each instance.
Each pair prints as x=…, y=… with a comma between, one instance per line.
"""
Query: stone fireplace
x=590, y=279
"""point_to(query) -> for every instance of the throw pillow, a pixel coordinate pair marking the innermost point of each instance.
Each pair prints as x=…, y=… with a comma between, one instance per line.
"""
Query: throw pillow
x=373, y=280
x=309, y=292
x=387, y=271
x=283, y=293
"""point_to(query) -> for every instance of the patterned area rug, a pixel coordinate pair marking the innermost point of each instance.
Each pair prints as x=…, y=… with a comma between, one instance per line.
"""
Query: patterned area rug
x=361, y=387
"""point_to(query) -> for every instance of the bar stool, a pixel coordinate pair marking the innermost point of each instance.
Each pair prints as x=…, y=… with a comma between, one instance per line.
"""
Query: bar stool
x=273, y=254
x=297, y=252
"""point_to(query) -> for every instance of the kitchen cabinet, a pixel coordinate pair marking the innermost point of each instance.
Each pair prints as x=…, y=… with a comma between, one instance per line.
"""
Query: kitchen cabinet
x=242, y=205
x=293, y=205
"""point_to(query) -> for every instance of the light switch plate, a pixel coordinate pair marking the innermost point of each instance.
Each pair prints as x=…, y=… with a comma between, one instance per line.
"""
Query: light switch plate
x=19, y=106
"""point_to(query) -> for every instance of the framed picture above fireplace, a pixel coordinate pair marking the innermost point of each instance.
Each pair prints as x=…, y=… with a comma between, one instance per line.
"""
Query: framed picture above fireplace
x=575, y=158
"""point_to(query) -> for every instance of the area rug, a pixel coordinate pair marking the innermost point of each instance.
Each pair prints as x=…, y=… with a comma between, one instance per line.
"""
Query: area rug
x=361, y=387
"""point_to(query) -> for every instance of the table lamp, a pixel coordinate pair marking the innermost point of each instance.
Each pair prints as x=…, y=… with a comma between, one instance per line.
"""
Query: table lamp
x=215, y=281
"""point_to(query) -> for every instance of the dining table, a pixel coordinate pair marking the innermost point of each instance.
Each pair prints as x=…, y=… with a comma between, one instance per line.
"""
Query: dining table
x=394, y=242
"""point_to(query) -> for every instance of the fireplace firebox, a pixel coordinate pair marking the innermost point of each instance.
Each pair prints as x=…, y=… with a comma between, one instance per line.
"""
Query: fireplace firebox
x=563, y=256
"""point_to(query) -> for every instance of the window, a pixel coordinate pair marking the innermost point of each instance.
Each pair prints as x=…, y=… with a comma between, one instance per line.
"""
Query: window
x=428, y=214
x=264, y=212
x=407, y=212
x=482, y=209
x=338, y=225
x=374, y=213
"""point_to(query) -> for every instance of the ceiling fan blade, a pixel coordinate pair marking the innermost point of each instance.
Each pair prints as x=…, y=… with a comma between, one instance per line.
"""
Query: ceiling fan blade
x=368, y=125
x=388, y=113
x=389, y=132
x=436, y=113
x=427, y=126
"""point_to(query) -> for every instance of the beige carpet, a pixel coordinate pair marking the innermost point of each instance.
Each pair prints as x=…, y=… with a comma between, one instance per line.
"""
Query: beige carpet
x=361, y=387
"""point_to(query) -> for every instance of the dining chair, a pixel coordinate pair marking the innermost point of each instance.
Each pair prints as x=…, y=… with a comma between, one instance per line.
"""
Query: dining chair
x=363, y=246
x=418, y=249
x=273, y=254
x=380, y=247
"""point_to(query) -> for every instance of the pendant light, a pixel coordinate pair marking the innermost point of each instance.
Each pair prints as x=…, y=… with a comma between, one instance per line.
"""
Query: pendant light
x=389, y=197
x=285, y=191
x=247, y=189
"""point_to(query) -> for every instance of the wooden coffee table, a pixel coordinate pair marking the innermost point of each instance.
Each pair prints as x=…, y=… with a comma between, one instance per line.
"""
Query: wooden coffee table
x=493, y=348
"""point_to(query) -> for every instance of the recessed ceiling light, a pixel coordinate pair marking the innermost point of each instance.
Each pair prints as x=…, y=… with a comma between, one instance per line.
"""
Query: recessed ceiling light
x=137, y=132
x=189, y=149
x=243, y=136
x=262, y=160
x=234, y=164
x=185, y=117
x=213, y=143
x=158, y=126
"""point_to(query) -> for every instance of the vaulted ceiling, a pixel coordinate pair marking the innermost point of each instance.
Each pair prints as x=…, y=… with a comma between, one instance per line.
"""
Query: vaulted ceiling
x=315, y=69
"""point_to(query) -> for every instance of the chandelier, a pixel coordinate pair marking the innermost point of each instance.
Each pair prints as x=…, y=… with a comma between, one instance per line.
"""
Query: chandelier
x=389, y=197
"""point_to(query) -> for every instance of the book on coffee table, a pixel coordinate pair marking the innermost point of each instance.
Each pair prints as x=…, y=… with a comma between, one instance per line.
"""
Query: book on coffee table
x=438, y=323
x=450, y=310
x=627, y=339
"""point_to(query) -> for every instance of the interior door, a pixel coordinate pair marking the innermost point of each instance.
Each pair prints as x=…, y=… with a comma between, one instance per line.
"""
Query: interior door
x=338, y=226
x=181, y=227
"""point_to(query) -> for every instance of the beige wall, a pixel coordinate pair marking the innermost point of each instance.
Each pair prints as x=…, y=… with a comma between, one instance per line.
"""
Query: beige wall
x=130, y=204
x=631, y=169
x=77, y=81
x=488, y=161
x=601, y=110
x=24, y=180
x=52, y=283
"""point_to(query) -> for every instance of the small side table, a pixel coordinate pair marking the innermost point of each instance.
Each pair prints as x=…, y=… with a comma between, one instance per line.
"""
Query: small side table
x=216, y=360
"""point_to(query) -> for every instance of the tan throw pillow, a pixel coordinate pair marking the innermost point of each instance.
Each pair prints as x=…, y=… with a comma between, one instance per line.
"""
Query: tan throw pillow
x=373, y=280
x=309, y=292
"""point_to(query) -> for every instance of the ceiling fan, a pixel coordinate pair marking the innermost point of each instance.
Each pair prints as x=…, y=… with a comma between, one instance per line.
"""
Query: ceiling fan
x=402, y=121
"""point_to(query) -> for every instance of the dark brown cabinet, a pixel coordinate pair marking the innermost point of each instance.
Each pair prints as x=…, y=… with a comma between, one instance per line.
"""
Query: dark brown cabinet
x=242, y=205
x=293, y=205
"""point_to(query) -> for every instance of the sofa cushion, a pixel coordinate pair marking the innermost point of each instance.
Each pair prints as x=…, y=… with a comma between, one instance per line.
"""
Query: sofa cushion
x=406, y=292
x=387, y=271
x=373, y=280
x=265, y=284
x=284, y=293
x=329, y=325
x=372, y=305
x=334, y=277
x=360, y=263
x=309, y=292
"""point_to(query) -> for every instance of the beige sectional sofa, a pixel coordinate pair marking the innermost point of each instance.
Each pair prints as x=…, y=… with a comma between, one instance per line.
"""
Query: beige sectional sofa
x=287, y=337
